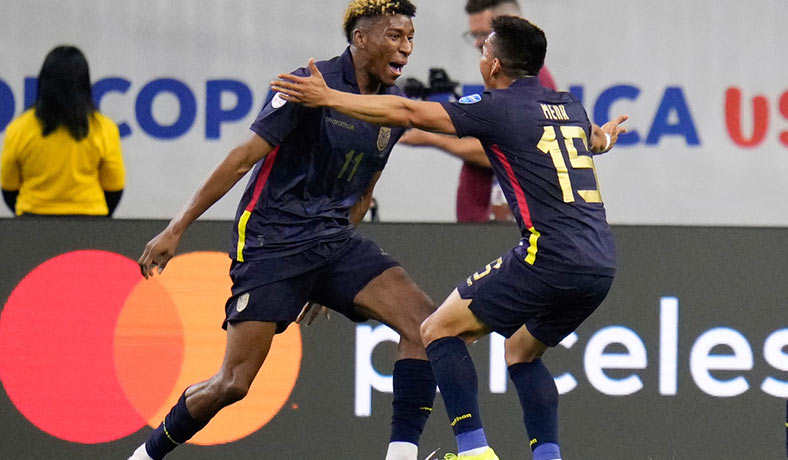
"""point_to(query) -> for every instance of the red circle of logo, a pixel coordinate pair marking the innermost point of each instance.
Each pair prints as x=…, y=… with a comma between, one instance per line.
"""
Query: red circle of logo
x=91, y=352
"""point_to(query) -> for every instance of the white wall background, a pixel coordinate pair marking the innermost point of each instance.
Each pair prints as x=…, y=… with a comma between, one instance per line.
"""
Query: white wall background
x=703, y=47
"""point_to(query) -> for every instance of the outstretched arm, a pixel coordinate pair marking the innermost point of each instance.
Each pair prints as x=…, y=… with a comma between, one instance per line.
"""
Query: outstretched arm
x=238, y=162
x=398, y=111
x=466, y=148
x=380, y=110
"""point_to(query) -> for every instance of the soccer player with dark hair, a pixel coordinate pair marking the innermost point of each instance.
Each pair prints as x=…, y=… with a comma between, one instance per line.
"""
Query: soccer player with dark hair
x=294, y=240
x=476, y=185
x=540, y=144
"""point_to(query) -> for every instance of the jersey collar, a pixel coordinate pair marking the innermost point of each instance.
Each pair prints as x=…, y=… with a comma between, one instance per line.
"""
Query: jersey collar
x=526, y=82
x=348, y=70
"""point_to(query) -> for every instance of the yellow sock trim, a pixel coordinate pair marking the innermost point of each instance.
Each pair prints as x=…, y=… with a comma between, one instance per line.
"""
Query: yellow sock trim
x=164, y=425
x=461, y=417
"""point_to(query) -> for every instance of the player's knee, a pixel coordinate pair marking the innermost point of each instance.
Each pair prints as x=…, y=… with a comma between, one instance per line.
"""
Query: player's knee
x=428, y=331
x=522, y=355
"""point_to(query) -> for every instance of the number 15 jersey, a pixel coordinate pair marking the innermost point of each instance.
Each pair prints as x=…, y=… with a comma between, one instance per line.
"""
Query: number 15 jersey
x=537, y=143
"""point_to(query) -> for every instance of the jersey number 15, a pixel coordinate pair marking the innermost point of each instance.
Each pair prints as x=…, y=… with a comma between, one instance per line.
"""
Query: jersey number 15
x=549, y=145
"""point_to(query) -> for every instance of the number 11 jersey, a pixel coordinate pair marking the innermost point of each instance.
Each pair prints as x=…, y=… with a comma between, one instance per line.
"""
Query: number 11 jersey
x=301, y=193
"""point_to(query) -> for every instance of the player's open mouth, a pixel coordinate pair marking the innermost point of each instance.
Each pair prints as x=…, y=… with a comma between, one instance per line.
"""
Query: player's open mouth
x=396, y=68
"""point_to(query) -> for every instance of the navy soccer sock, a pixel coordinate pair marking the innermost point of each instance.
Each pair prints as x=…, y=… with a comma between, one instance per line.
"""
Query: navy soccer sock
x=414, y=394
x=539, y=400
x=178, y=427
x=456, y=376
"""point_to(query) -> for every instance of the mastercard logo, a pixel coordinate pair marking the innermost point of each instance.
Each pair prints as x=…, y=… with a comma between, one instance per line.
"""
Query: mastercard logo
x=91, y=352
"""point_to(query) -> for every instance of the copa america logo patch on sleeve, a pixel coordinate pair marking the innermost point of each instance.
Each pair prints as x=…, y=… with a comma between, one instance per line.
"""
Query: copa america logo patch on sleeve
x=277, y=101
x=472, y=99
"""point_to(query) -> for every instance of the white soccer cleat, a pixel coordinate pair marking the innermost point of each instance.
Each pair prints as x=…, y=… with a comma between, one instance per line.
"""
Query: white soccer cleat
x=140, y=454
x=400, y=450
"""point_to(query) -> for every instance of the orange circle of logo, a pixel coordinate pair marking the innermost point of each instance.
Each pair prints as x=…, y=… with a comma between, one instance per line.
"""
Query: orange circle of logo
x=197, y=284
x=137, y=343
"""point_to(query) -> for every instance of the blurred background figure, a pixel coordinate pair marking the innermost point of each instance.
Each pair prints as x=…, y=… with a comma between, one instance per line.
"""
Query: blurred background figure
x=479, y=197
x=62, y=157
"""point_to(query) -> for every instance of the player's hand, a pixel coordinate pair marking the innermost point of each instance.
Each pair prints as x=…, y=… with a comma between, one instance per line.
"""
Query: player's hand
x=311, y=311
x=606, y=136
x=311, y=91
x=158, y=252
x=415, y=137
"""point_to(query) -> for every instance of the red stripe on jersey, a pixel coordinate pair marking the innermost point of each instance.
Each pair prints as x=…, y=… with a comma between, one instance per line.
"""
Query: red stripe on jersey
x=262, y=178
x=525, y=213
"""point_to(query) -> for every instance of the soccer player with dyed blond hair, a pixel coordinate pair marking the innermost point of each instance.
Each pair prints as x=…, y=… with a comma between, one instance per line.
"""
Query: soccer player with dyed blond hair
x=313, y=173
x=540, y=145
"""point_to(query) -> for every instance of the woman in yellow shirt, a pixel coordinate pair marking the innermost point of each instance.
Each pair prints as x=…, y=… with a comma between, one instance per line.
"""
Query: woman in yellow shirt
x=62, y=157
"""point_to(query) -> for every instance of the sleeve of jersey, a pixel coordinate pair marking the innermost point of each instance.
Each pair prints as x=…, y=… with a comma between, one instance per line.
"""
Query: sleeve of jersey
x=278, y=118
x=474, y=116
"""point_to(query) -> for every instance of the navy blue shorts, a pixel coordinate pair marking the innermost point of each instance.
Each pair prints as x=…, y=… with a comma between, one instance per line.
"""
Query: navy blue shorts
x=338, y=270
x=509, y=292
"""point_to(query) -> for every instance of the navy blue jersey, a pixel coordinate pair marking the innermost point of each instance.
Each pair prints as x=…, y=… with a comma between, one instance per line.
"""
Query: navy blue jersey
x=301, y=193
x=537, y=142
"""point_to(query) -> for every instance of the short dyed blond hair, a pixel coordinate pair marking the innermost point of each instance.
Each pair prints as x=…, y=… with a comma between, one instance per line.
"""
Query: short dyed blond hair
x=358, y=9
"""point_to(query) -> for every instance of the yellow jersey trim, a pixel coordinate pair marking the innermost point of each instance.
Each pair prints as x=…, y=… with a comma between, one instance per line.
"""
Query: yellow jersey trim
x=532, y=247
x=239, y=256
